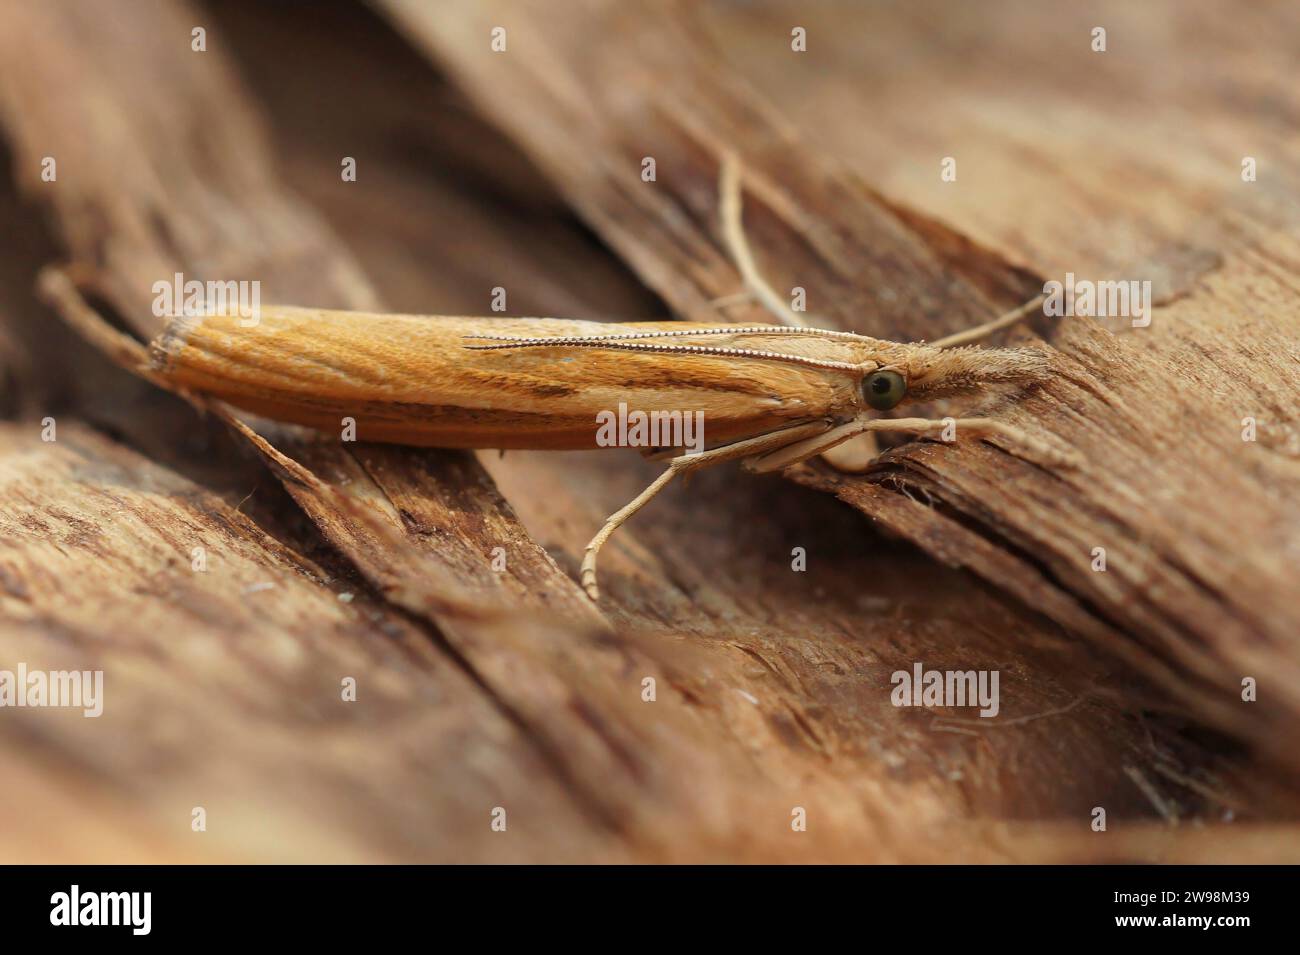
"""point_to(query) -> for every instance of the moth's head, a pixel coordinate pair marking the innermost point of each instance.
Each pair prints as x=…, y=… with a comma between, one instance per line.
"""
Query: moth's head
x=922, y=373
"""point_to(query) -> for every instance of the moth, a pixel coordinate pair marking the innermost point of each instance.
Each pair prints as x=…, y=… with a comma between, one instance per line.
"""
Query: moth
x=770, y=396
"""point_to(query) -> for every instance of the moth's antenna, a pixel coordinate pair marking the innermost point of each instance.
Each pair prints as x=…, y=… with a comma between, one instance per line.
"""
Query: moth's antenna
x=715, y=350
x=988, y=328
x=678, y=333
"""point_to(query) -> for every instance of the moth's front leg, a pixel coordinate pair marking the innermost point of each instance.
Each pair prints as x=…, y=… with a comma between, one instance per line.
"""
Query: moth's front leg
x=1029, y=446
x=799, y=451
x=855, y=455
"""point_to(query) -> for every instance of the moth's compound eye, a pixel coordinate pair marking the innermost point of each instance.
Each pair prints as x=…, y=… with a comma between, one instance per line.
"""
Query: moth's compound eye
x=884, y=389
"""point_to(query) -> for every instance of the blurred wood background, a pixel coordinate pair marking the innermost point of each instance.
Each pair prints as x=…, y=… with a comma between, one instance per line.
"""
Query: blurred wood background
x=479, y=689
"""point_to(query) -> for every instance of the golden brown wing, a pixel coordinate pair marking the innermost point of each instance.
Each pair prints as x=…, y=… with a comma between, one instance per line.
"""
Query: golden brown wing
x=412, y=379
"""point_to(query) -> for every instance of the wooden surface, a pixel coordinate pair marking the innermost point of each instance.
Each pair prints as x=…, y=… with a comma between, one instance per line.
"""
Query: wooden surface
x=479, y=689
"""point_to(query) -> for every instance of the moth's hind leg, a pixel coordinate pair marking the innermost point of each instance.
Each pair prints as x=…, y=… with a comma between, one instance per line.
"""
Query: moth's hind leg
x=613, y=523
x=685, y=464
x=731, y=212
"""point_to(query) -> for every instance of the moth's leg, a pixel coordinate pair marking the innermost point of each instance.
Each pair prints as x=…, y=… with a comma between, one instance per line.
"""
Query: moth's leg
x=733, y=233
x=1033, y=448
x=988, y=328
x=855, y=455
x=778, y=459
x=615, y=520
x=684, y=464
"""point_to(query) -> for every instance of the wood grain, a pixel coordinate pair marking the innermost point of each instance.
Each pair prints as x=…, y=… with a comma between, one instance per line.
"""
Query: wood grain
x=772, y=685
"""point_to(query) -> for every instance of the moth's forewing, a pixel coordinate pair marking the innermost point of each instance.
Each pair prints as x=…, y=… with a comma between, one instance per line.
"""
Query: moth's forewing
x=412, y=380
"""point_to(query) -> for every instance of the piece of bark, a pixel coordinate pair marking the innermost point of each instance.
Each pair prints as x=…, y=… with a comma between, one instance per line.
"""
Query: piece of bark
x=1169, y=489
x=706, y=773
x=98, y=571
x=1068, y=158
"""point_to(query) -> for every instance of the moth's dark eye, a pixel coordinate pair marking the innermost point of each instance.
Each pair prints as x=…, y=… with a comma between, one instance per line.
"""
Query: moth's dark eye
x=884, y=389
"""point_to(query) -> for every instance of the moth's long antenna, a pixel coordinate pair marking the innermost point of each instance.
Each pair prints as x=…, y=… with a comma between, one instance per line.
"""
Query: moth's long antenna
x=715, y=350
x=678, y=333
x=988, y=328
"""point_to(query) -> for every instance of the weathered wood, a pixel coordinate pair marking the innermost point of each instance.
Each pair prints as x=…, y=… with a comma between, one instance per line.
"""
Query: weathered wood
x=97, y=562
x=773, y=686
